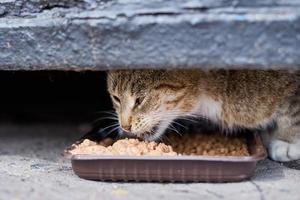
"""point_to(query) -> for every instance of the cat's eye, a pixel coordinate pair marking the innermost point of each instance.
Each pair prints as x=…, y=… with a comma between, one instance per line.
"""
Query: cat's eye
x=116, y=99
x=138, y=101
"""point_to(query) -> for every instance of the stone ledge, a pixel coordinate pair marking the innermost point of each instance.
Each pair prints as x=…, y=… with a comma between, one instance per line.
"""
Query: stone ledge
x=100, y=35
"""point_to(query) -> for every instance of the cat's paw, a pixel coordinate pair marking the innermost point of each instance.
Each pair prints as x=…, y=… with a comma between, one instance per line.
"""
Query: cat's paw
x=283, y=151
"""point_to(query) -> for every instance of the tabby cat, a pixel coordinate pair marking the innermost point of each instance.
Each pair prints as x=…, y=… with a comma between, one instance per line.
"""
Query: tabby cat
x=147, y=101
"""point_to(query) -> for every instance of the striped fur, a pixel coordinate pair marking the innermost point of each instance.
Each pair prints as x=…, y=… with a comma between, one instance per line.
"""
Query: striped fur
x=151, y=99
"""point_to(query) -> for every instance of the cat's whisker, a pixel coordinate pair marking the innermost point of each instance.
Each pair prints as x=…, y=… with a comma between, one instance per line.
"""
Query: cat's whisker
x=187, y=119
x=113, y=125
x=176, y=132
x=171, y=127
x=112, y=130
x=176, y=115
x=107, y=112
x=177, y=123
x=110, y=115
x=105, y=118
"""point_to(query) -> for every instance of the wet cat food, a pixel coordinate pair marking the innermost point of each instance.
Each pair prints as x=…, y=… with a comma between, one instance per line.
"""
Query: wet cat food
x=189, y=144
x=131, y=147
x=129, y=160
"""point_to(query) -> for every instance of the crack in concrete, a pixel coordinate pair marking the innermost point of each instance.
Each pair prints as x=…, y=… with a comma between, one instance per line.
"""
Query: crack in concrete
x=219, y=196
x=258, y=189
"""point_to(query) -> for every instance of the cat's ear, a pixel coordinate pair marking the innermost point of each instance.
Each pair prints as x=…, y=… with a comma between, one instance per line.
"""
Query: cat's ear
x=169, y=86
x=172, y=92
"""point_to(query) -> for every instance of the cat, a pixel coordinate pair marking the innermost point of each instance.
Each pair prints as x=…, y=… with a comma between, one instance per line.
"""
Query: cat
x=147, y=101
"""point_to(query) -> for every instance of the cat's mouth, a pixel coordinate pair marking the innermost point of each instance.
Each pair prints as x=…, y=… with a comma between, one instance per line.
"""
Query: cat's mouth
x=148, y=135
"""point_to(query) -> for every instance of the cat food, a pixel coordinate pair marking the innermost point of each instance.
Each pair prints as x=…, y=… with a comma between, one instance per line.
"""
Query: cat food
x=131, y=147
x=183, y=168
x=209, y=144
x=190, y=144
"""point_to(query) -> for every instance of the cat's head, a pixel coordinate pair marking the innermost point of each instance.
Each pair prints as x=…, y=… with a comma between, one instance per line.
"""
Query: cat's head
x=147, y=101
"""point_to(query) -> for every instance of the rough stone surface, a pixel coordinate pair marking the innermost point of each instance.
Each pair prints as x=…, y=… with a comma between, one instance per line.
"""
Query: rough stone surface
x=109, y=34
x=31, y=167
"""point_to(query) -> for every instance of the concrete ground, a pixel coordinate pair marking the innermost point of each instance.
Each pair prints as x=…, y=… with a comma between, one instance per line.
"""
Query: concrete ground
x=31, y=167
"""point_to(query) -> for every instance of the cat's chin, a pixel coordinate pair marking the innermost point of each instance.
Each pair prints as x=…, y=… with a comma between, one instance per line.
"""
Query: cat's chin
x=150, y=135
x=156, y=132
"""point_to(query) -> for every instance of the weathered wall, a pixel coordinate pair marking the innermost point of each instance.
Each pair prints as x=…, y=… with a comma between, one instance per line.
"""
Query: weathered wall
x=106, y=34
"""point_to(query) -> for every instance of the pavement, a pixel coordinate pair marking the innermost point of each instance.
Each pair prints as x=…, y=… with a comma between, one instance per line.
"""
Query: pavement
x=32, y=167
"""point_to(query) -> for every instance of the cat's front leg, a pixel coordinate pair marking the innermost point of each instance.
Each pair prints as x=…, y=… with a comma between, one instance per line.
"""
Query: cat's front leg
x=284, y=151
x=284, y=144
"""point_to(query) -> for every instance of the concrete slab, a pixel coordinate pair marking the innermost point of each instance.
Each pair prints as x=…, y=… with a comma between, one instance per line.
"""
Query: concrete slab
x=31, y=167
x=109, y=34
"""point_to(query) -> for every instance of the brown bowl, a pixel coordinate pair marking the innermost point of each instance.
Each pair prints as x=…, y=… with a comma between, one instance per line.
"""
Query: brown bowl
x=171, y=168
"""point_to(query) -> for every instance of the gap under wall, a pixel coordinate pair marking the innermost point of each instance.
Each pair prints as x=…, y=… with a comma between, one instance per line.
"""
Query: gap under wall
x=52, y=96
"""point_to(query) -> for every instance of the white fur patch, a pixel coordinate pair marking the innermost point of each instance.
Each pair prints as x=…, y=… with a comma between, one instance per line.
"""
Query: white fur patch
x=283, y=151
x=209, y=108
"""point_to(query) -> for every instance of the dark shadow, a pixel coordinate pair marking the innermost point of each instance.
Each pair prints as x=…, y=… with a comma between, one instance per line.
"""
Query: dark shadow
x=268, y=170
x=293, y=165
x=52, y=96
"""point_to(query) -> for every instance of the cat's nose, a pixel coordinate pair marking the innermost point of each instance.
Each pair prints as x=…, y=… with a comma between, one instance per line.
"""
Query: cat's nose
x=126, y=128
